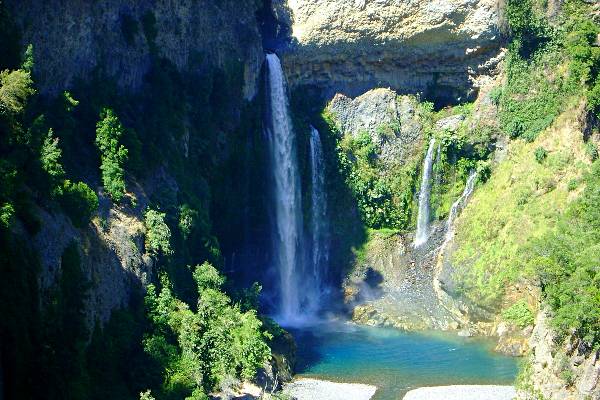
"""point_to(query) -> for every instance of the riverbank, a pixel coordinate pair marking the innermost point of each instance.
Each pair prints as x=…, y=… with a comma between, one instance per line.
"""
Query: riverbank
x=310, y=389
x=463, y=392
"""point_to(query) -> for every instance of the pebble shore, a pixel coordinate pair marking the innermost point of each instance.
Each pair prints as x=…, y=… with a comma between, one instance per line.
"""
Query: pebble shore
x=462, y=393
x=314, y=389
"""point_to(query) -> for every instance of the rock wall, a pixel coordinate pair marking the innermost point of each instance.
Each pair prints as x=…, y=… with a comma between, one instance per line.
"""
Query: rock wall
x=437, y=47
x=74, y=38
x=560, y=371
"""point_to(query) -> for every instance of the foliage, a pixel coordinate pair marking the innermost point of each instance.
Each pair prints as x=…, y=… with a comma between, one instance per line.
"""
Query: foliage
x=540, y=154
x=7, y=212
x=567, y=260
x=78, y=201
x=50, y=157
x=108, y=133
x=15, y=89
x=519, y=203
x=519, y=313
x=158, y=234
x=199, y=350
x=187, y=219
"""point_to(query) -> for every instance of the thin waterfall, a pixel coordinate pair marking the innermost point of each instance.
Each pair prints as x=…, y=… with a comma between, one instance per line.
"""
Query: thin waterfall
x=423, y=217
x=287, y=208
x=458, y=206
x=319, y=217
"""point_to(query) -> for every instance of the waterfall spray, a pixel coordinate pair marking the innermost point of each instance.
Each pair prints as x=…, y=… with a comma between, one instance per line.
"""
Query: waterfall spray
x=423, y=217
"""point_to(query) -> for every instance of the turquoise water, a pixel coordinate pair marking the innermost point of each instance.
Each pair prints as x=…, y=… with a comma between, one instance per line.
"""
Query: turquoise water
x=395, y=361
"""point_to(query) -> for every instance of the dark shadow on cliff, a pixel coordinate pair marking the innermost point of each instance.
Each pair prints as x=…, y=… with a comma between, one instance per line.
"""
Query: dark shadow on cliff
x=348, y=232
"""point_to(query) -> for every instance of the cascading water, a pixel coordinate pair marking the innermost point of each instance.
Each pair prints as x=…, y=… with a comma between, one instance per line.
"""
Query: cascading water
x=287, y=209
x=423, y=217
x=458, y=206
x=319, y=218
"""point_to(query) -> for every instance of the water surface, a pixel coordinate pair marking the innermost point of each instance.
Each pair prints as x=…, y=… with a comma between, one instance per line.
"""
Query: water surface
x=397, y=362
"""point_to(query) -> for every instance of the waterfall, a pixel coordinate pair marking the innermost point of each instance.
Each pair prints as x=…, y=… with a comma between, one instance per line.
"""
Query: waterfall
x=287, y=208
x=319, y=217
x=458, y=206
x=423, y=217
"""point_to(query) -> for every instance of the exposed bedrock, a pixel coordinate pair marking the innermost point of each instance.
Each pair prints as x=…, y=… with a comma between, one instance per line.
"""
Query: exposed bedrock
x=121, y=38
x=438, y=47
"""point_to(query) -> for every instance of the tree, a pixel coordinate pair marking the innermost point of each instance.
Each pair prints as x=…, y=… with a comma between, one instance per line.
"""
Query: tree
x=202, y=350
x=50, y=157
x=158, y=234
x=113, y=155
x=15, y=88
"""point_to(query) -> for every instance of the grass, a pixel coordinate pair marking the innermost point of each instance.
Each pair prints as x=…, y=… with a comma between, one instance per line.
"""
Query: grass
x=522, y=200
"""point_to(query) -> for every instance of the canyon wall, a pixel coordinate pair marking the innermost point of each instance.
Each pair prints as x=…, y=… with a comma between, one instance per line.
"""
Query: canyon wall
x=439, y=48
x=73, y=39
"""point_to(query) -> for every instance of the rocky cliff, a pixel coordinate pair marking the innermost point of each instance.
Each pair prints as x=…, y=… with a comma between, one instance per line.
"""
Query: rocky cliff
x=73, y=39
x=559, y=370
x=436, y=47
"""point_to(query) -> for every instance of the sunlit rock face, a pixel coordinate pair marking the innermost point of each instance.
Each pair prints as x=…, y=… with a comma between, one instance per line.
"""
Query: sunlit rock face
x=438, y=47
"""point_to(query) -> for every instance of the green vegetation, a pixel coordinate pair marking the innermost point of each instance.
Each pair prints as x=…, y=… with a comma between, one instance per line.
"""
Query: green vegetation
x=202, y=350
x=519, y=313
x=567, y=260
x=113, y=155
x=158, y=234
x=383, y=199
x=521, y=201
x=79, y=201
x=547, y=66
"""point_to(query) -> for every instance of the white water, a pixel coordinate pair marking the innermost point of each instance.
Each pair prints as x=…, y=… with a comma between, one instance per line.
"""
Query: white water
x=423, y=217
x=319, y=218
x=458, y=206
x=287, y=208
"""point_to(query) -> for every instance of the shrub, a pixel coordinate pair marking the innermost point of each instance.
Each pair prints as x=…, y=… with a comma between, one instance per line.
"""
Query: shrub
x=78, y=201
x=540, y=154
x=7, y=212
x=108, y=132
x=187, y=219
x=202, y=350
x=519, y=313
x=592, y=151
x=15, y=88
x=158, y=234
x=50, y=157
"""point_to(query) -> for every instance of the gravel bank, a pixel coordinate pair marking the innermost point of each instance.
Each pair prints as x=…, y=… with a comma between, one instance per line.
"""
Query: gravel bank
x=462, y=393
x=313, y=389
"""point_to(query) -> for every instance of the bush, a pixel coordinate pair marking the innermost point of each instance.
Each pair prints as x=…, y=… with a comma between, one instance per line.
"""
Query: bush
x=187, y=220
x=78, y=201
x=108, y=132
x=158, y=234
x=540, y=154
x=567, y=262
x=520, y=314
x=592, y=151
x=201, y=350
x=50, y=157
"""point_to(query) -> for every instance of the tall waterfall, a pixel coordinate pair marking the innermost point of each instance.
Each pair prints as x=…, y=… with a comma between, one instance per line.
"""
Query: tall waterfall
x=287, y=208
x=319, y=217
x=423, y=217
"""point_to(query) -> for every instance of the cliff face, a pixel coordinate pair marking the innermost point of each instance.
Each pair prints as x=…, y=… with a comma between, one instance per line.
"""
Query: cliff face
x=72, y=39
x=567, y=370
x=416, y=46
